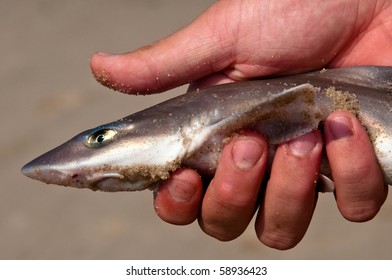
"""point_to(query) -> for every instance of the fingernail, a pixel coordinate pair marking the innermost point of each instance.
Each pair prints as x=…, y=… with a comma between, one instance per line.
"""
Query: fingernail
x=105, y=54
x=341, y=127
x=246, y=153
x=303, y=145
x=180, y=191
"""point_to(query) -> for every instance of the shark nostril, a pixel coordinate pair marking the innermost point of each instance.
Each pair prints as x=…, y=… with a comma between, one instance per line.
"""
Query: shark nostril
x=76, y=178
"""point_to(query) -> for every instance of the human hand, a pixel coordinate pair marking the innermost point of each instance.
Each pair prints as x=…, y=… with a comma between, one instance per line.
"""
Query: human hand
x=238, y=40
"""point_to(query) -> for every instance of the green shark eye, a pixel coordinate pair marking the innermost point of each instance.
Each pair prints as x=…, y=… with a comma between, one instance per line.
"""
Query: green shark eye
x=101, y=138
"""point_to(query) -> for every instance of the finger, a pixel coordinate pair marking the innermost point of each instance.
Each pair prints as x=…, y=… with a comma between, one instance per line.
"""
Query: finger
x=231, y=198
x=290, y=195
x=359, y=185
x=177, y=200
x=191, y=53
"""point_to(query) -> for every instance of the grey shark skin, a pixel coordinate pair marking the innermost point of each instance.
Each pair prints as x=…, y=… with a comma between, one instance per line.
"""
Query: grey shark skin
x=141, y=150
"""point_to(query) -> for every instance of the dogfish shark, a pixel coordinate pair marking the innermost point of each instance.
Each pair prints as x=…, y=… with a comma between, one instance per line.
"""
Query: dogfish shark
x=141, y=150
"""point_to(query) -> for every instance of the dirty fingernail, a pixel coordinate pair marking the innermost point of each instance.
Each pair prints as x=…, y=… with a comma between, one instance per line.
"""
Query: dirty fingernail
x=303, y=145
x=246, y=153
x=341, y=127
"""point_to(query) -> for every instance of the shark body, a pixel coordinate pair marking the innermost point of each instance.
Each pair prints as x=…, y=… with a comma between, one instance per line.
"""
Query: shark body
x=139, y=151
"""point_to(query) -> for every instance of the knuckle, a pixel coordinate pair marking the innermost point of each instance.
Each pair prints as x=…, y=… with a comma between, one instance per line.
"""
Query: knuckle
x=231, y=200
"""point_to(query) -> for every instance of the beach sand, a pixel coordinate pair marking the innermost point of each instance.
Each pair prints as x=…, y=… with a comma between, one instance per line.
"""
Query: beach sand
x=48, y=95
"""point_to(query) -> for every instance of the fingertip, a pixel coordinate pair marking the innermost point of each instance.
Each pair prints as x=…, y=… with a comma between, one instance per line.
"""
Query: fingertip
x=278, y=239
x=183, y=186
x=177, y=200
x=97, y=69
x=117, y=72
x=339, y=125
x=360, y=212
x=247, y=151
x=304, y=145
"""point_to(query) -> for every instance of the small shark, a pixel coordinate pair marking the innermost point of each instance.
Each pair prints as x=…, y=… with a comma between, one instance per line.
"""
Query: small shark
x=139, y=151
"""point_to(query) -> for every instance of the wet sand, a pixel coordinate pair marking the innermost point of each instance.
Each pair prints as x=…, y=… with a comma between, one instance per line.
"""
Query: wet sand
x=48, y=95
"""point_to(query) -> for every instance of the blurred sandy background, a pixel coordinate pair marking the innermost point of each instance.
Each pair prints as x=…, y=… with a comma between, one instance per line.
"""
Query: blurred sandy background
x=48, y=95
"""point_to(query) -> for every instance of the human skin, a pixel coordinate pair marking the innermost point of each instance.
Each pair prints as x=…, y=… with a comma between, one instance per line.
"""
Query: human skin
x=238, y=40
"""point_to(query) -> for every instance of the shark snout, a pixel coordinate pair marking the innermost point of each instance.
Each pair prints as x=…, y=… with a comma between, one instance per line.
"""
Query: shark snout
x=45, y=174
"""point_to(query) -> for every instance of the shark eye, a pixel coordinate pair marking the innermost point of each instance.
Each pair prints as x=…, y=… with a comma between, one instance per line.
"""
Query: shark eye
x=100, y=138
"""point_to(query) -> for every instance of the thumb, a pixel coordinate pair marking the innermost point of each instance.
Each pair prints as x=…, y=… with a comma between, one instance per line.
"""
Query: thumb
x=192, y=52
